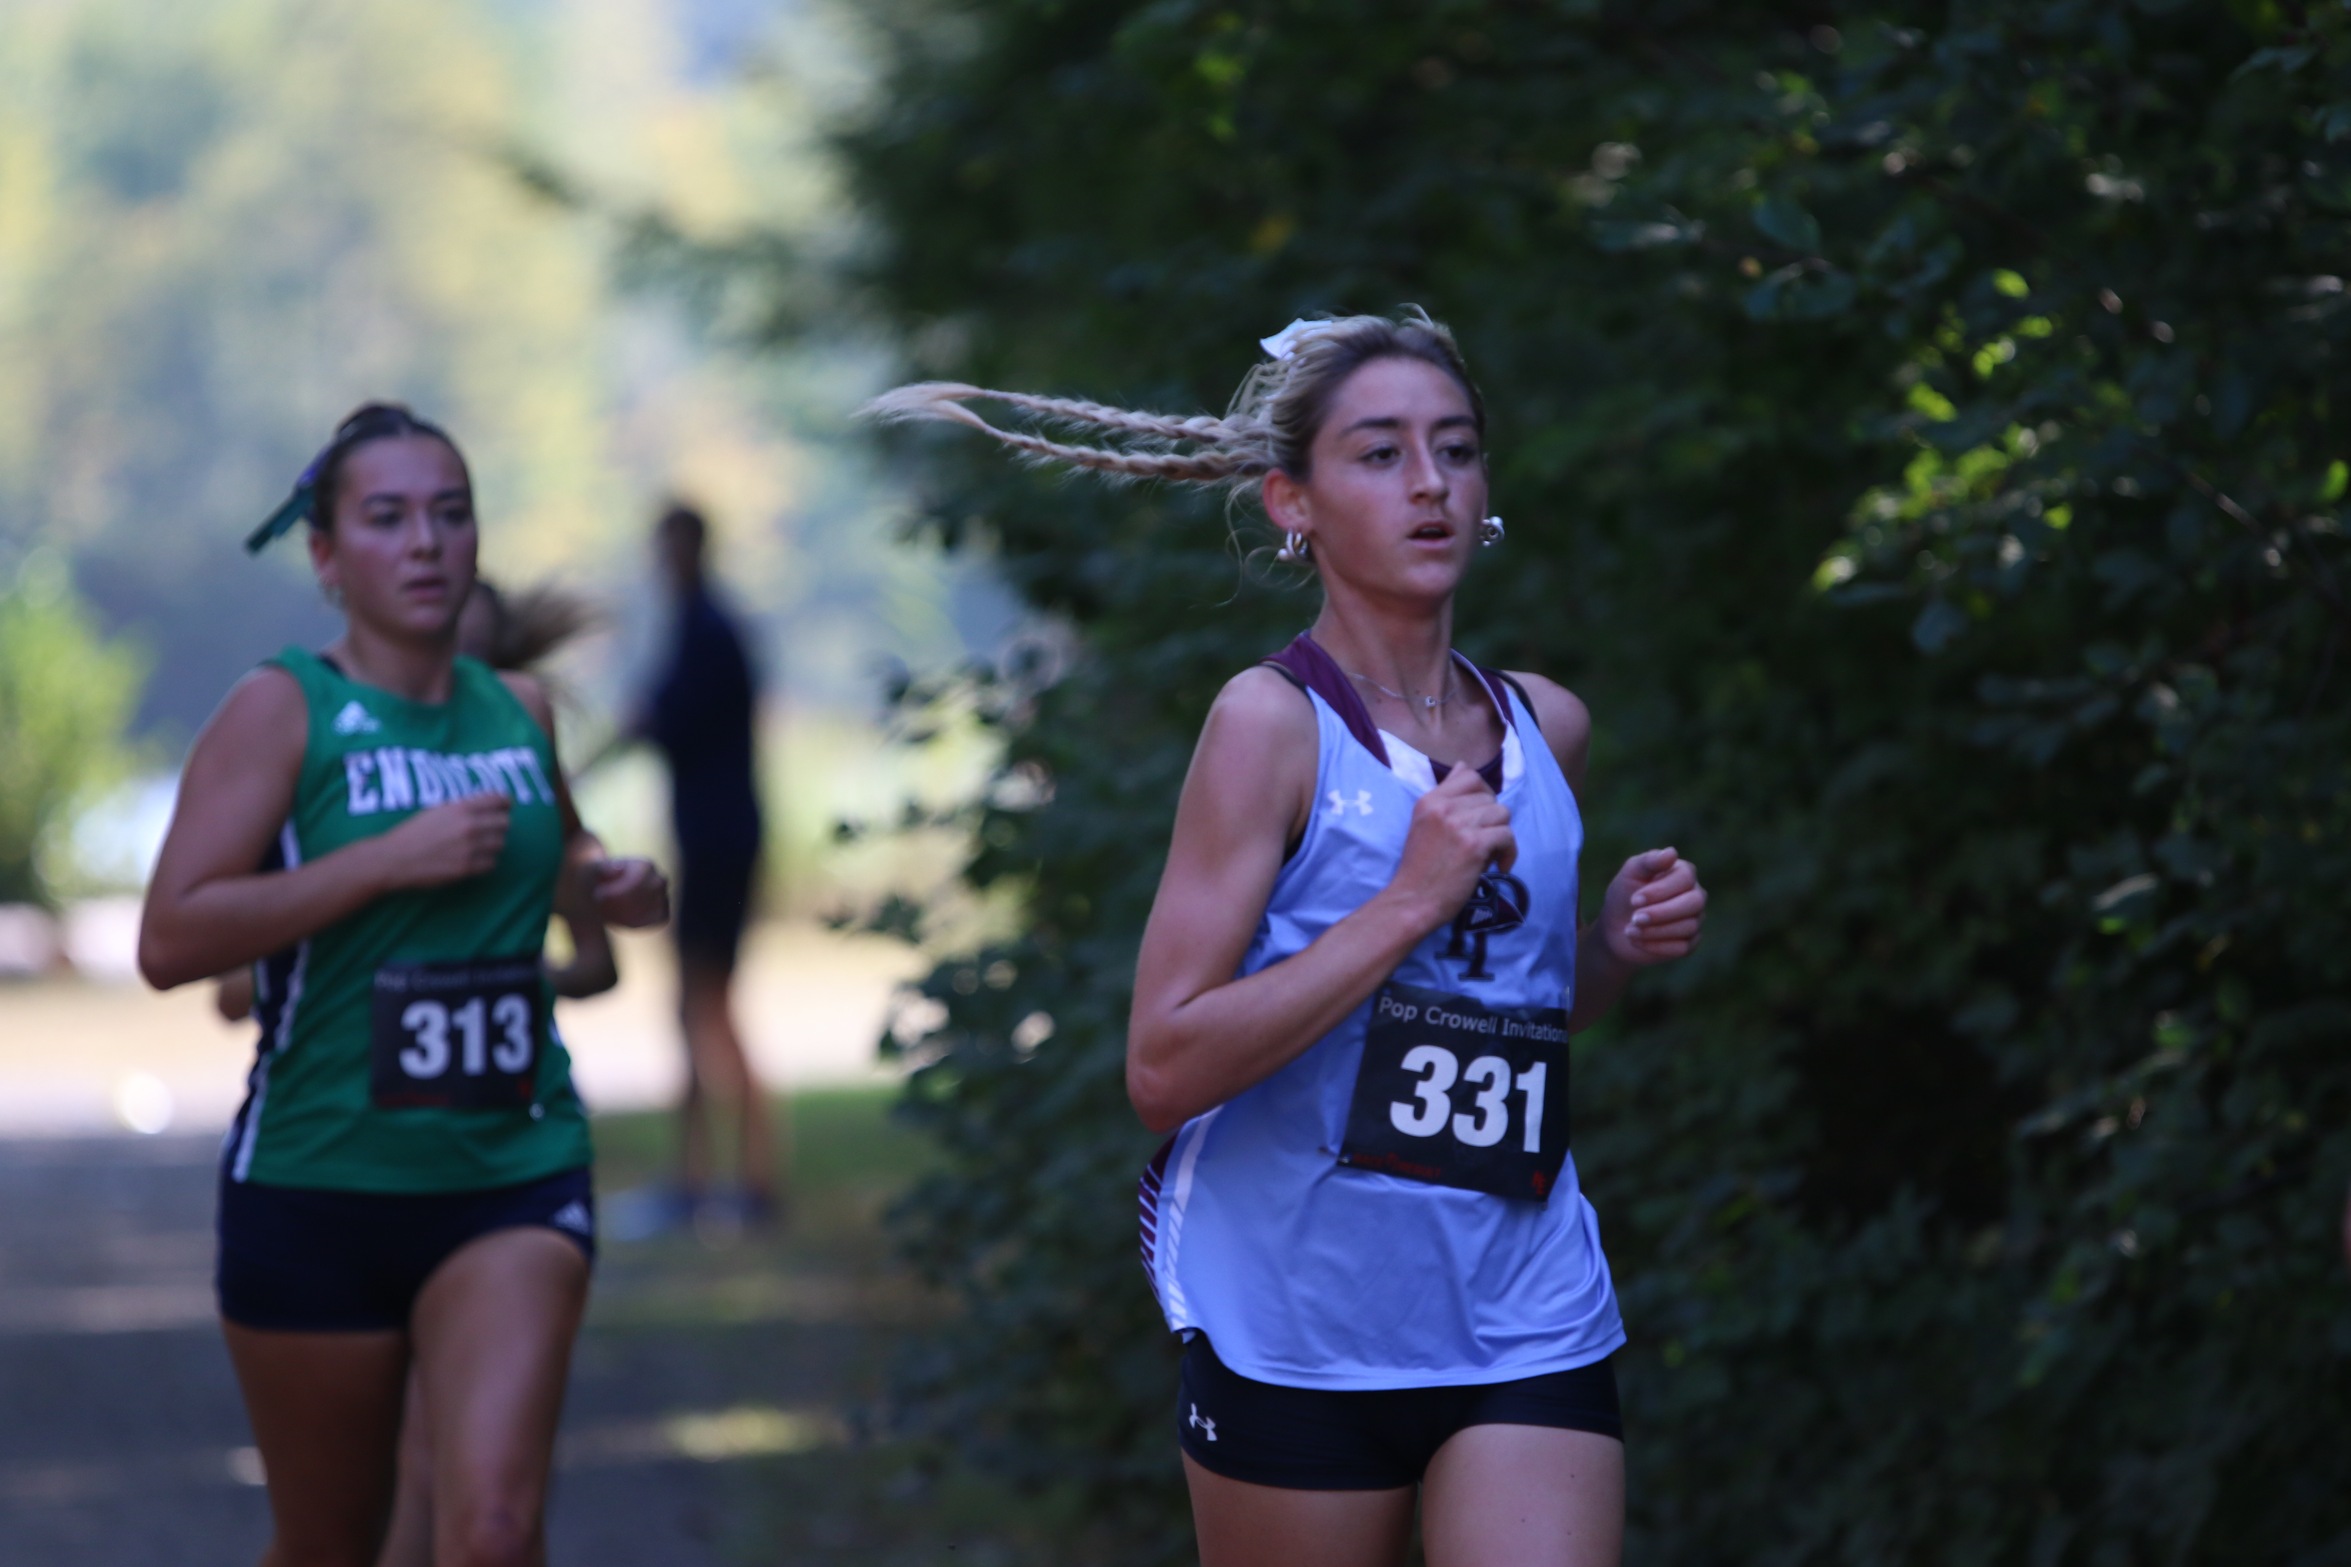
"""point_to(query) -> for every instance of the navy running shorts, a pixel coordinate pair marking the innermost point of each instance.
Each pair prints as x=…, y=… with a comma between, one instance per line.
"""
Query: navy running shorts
x=1315, y=1439
x=299, y=1260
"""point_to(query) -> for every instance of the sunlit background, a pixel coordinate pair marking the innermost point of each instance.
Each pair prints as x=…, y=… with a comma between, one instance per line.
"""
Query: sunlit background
x=223, y=224
x=1920, y=441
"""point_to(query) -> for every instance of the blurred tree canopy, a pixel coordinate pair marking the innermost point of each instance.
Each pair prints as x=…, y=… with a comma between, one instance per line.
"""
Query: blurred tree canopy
x=225, y=223
x=1917, y=430
x=66, y=696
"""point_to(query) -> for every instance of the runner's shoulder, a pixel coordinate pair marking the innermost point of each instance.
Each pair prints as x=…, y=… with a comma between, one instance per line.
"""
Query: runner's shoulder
x=1565, y=721
x=265, y=706
x=531, y=692
x=1262, y=706
x=262, y=727
x=1260, y=733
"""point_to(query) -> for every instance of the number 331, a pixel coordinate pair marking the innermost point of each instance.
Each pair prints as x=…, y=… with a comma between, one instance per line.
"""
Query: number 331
x=1431, y=1107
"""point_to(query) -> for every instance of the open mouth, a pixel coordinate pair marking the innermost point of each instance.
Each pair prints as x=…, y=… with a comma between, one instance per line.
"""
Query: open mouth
x=1432, y=532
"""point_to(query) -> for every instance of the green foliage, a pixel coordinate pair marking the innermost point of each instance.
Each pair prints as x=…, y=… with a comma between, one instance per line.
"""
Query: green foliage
x=226, y=223
x=1919, y=443
x=66, y=695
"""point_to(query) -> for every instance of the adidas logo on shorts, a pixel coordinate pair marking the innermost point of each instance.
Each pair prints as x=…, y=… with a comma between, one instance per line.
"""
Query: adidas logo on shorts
x=355, y=720
x=573, y=1216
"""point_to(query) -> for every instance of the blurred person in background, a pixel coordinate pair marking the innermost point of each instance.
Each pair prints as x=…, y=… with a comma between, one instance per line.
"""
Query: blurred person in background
x=702, y=713
x=516, y=633
x=381, y=829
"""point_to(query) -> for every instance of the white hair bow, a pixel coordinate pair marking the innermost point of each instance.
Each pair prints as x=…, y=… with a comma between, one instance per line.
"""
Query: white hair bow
x=1285, y=342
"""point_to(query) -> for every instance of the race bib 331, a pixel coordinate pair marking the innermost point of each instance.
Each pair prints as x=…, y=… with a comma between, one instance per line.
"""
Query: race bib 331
x=1458, y=1093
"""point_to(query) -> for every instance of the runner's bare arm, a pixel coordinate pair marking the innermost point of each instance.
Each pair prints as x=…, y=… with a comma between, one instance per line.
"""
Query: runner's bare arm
x=531, y=692
x=626, y=892
x=208, y=910
x=592, y=969
x=1197, y=1035
x=1654, y=905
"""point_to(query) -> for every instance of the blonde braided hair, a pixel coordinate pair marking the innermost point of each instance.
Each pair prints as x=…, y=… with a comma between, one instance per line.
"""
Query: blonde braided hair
x=1270, y=425
x=1219, y=456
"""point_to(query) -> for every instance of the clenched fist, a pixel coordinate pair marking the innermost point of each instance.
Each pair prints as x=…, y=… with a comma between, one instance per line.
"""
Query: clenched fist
x=447, y=843
x=1653, y=909
x=1458, y=829
x=630, y=893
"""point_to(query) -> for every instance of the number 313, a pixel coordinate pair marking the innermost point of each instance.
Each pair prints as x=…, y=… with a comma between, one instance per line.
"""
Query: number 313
x=428, y=1024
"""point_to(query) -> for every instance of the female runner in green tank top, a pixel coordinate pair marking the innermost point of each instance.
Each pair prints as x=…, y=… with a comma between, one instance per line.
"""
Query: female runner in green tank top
x=380, y=830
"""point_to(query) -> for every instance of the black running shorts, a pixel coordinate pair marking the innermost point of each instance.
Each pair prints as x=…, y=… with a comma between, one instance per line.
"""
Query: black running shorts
x=715, y=889
x=1312, y=1439
x=300, y=1260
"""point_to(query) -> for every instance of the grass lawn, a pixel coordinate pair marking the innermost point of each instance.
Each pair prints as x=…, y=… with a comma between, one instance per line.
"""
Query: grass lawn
x=846, y=1157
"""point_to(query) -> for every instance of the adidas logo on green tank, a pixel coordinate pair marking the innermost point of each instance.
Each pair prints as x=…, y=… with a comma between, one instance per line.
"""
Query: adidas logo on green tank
x=355, y=720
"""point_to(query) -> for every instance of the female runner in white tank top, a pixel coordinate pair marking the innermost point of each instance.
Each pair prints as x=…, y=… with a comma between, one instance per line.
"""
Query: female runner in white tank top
x=1353, y=997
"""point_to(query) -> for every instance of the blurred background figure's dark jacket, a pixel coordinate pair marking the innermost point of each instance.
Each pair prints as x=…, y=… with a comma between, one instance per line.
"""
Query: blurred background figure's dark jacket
x=701, y=714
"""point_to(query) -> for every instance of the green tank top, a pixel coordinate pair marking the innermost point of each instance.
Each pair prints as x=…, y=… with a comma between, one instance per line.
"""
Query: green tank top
x=319, y=1111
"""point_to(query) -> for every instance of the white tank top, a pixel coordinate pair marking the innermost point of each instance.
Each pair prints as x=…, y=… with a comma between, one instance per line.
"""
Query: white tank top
x=1308, y=1272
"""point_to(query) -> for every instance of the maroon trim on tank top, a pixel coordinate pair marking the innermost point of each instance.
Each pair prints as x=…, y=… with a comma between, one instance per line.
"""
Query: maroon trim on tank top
x=1313, y=669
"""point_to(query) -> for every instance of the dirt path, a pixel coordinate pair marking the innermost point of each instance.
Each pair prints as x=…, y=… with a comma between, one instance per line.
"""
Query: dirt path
x=123, y=1431
x=721, y=1396
x=705, y=1375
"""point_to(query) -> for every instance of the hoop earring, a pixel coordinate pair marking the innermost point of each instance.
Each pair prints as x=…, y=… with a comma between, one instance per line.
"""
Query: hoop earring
x=1489, y=532
x=1296, y=549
